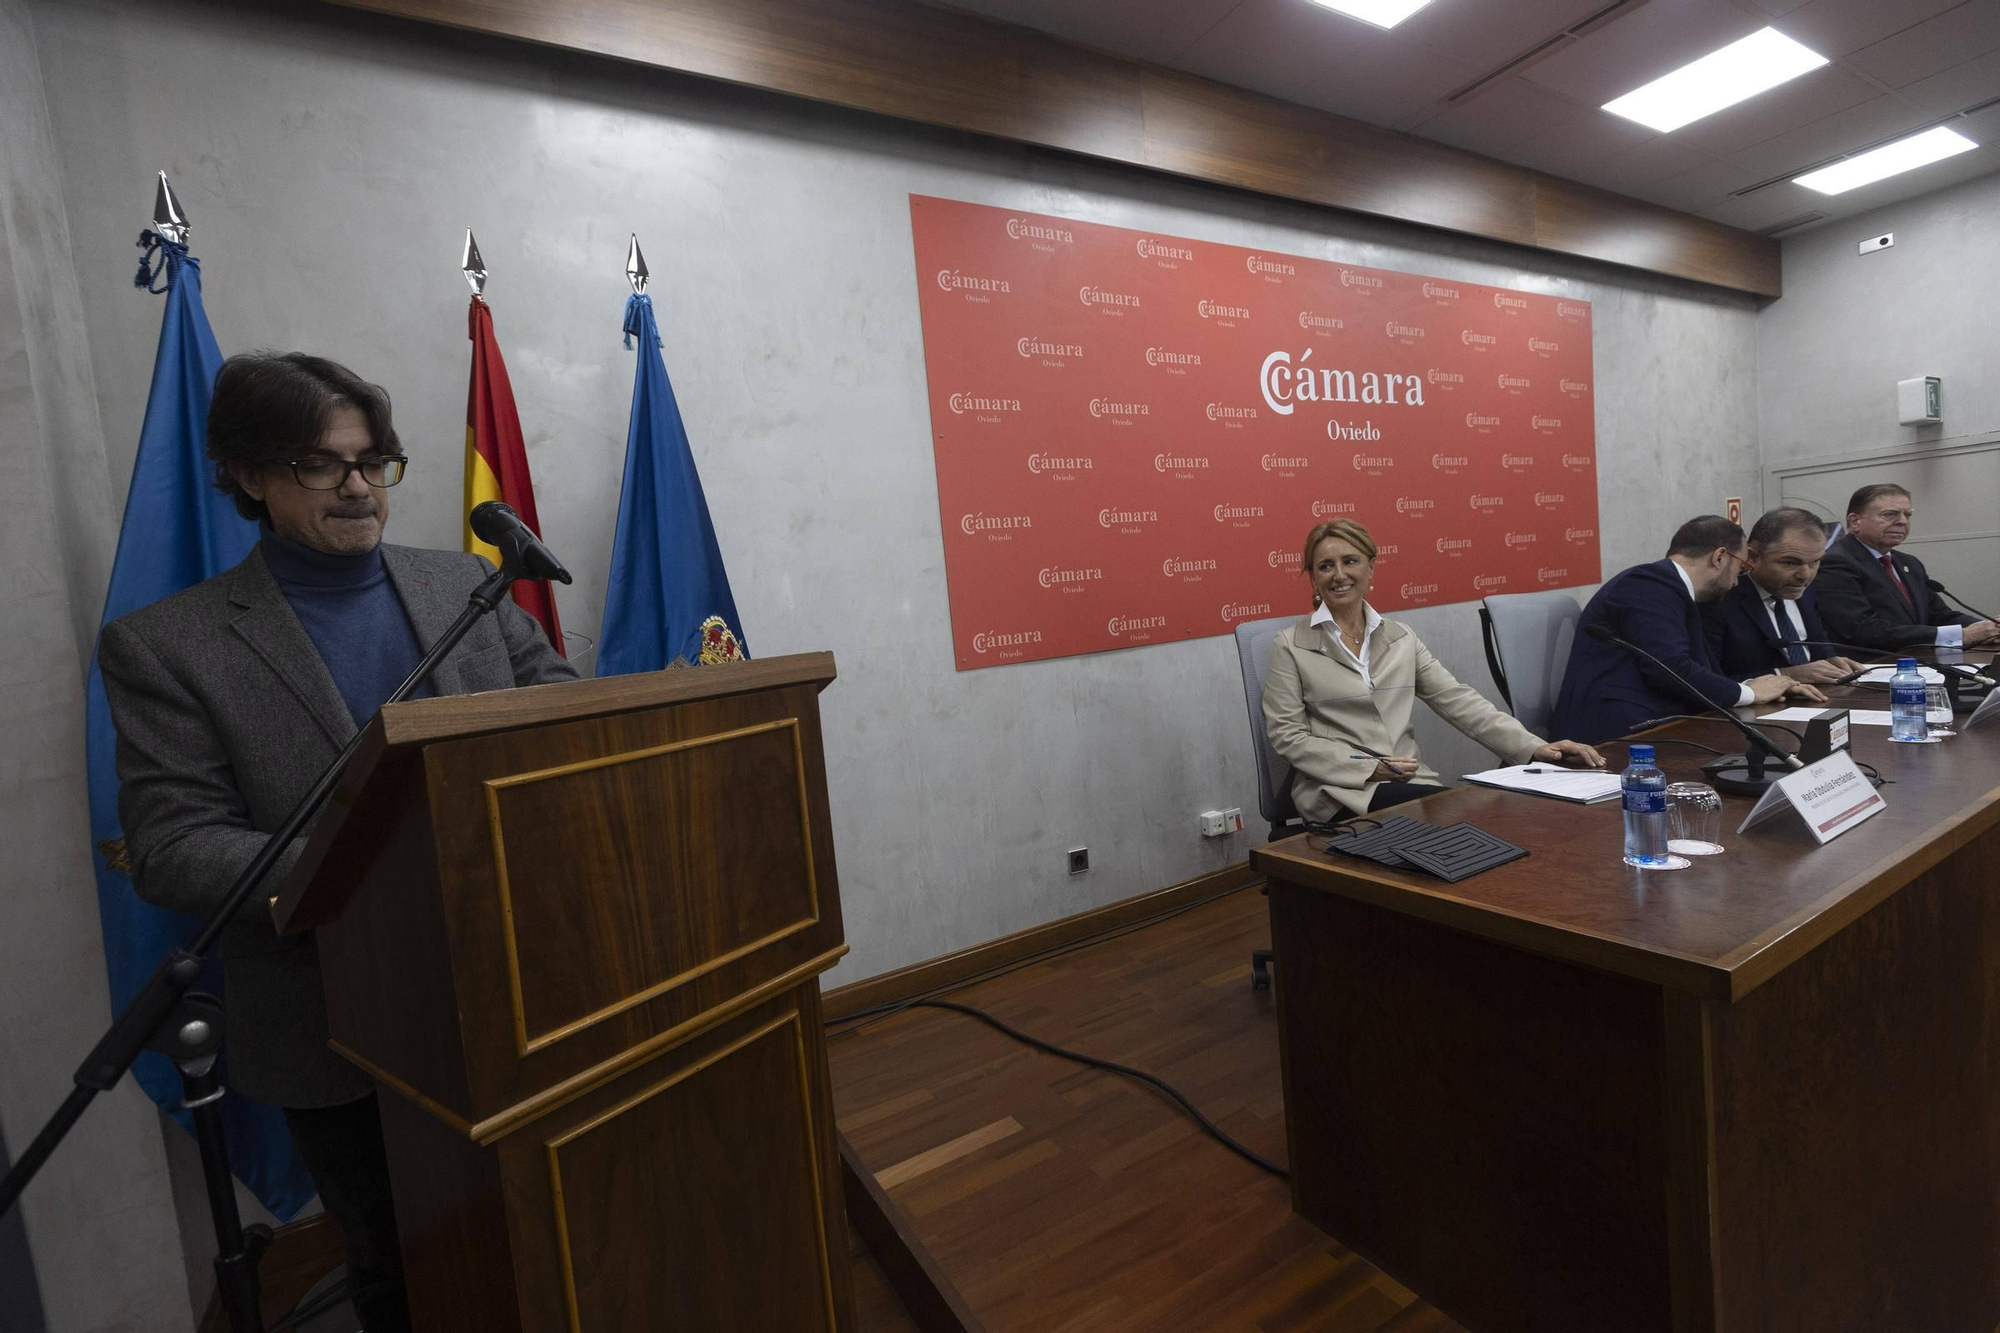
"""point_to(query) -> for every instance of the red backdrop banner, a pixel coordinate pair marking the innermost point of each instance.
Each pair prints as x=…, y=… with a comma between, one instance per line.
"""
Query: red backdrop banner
x=1134, y=432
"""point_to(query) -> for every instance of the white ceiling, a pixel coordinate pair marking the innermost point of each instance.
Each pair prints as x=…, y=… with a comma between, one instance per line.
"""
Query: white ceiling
x=1897, y=66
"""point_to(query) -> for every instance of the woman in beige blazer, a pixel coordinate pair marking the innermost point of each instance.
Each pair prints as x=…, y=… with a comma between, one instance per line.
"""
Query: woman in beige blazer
x=1341, y=689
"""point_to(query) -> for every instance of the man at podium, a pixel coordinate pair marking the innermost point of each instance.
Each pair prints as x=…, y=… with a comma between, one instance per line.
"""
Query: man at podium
x=231, y=697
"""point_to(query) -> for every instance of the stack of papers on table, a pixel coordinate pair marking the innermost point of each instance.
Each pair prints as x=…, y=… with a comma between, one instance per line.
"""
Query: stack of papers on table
x=1583, y=785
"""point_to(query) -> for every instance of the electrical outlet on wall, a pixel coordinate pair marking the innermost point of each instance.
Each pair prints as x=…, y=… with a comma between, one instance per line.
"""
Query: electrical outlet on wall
x=1079, y=860
x=1874, y=243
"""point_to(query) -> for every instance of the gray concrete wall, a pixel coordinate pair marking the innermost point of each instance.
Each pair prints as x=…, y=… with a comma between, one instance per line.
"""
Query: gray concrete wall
x=100, y=1218
x=330, y=160
x=1849, y=327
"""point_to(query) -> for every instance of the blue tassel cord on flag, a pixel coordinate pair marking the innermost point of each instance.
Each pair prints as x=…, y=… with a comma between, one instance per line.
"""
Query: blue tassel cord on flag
x=178, y=530
x=667, y=600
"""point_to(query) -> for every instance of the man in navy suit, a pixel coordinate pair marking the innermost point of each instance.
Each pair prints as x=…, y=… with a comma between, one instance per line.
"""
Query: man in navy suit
x=1872, y=593
x=1768, y=621
x=1608, y=690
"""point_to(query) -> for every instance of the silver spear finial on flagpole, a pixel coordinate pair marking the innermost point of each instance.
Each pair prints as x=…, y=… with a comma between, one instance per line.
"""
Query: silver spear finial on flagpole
x=635, y=267
x=168, y=219
x=473, y=266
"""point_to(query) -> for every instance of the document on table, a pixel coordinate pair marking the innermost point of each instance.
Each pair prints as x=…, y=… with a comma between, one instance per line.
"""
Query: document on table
x=1583, y=785
x=1860, y=717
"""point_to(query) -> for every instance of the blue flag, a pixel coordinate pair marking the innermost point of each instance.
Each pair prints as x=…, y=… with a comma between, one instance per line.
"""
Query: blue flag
x=178, y=530
x=668, y=596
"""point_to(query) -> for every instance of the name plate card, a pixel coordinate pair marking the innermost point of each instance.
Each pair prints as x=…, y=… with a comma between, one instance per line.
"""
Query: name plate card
x=1832, y=796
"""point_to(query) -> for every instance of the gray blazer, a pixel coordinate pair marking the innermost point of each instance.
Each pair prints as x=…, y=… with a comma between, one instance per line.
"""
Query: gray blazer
x=1316, y=708
x=225, y=715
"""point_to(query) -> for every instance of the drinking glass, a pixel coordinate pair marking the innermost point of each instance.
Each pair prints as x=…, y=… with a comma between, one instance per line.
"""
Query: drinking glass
x=1694, y=819
x=1937, y=710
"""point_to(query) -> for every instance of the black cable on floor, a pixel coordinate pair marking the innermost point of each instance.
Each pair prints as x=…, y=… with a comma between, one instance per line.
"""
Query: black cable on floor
x=889, y=1009
x=1149, y=1080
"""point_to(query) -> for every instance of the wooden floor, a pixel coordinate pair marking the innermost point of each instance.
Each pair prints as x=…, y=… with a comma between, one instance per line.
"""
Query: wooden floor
x=1061, y=1199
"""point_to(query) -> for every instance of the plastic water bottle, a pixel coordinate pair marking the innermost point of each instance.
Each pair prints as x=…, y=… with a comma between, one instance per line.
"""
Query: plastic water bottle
x=1645, y=792
x=1907, y=718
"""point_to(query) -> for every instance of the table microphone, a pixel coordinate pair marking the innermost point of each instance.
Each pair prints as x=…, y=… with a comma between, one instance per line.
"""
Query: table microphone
x=1963, y=670
x=1954, y=598
x=1751, y=762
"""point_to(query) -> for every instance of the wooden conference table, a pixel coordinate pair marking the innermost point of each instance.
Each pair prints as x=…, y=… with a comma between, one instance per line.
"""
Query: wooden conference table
x=1759, y=1095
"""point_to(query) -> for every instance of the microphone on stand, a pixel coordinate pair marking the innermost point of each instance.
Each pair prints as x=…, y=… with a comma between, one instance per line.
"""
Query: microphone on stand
x=1750, y=763
x=1955, y=599
x=496, y=524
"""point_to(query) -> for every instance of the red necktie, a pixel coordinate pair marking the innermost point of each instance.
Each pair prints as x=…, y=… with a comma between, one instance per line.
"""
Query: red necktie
x=1894, y=578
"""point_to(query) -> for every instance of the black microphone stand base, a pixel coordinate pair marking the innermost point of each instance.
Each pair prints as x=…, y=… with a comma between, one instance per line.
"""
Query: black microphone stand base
x=1743, y=775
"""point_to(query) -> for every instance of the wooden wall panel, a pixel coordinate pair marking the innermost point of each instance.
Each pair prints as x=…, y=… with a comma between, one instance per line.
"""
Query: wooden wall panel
x=939, y=67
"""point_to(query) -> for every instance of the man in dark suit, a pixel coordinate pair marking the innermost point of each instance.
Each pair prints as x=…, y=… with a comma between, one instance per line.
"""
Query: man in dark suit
x=1608, y=690
x=231, y=697
x=1768, y=621
x=1871, y=593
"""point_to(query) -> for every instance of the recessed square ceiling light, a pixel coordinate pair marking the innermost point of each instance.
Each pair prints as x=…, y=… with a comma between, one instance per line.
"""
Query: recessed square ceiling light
x=1863, y=169
x=1381, y=13
x=1761, y=61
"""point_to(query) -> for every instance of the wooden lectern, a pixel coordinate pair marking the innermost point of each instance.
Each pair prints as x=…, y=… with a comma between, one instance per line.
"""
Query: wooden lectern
x=574, y=933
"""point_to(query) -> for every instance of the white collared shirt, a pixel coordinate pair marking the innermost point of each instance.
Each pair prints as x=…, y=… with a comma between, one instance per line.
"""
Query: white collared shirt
x=1744, y=698
x=1948, y=636
x=1371, y=621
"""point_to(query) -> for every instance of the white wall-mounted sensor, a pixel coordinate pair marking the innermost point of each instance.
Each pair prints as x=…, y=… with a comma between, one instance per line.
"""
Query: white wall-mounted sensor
x=1874, y=243
x=1919, y=402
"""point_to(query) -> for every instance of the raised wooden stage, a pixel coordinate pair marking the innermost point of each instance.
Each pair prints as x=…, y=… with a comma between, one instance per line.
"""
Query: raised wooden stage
x=1062, y=1199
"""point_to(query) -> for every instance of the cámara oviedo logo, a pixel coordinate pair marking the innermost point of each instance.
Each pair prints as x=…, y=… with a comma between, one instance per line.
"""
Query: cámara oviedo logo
x=1034, y=346
x=1024, y=229
x=998, y=641
x=1513, y=383
x=1517, y=462
x=1449, y=462
x=954, y=280
x=1546, y=424
x=1238, y=514
x=1548, y=499
x=1235, y=611
x=1556, y=575
x=1136, y=627
x=1485, y=504
x=979, y=521
x=1180, y=463
x=1514, y=540
x=1576, y=462
x=1283, y=463
x=1161, y=356
x=1332, y=508
x=979, y=403
x=1508, y=302
x=1284, y=559
x=1579, y=535
x=1405, y=333
x=1111, y=303
x=1406, y=505
x=1574, y=388
x=1126, y=518
x=1285, y=386
x=1109, y=407
x=1174, y=567
x=1060, y=465
x=1453, y=545
x=1363, y=283
x=1544, y=346
x=1266, y=266
x=1149, y=248
x=1316, y=323
x=1437, y=291
x=1477, y=341
x=1055, y=577
x=1221, y=310
x=1488, y=582
x=1419, y=589
x=1483, y=422
x=1227, y=414
x=1576, y=310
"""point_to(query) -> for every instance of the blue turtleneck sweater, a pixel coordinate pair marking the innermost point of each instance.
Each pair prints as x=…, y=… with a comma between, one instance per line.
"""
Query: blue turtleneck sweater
x=352, y=614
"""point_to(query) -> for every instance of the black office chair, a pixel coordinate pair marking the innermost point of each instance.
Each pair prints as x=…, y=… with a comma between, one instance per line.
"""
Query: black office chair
x=1274, y=775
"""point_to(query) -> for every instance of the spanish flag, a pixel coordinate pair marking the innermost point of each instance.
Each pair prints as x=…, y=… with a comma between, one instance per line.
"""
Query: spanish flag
x=496, y=461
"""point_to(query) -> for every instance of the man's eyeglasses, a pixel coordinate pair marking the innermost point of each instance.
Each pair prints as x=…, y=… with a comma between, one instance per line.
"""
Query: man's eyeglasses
x=330, y=474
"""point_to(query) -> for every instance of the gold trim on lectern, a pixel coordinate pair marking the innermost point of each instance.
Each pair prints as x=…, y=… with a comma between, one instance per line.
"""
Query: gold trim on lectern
x=525, y=1044
x=554, y=1146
